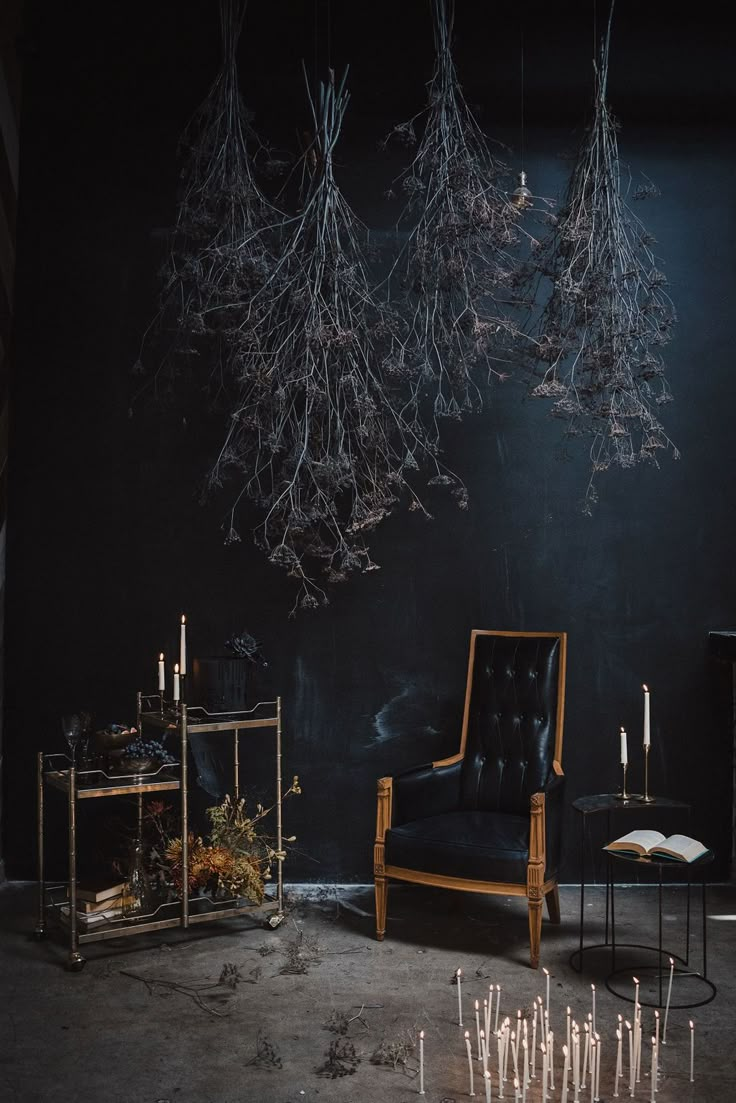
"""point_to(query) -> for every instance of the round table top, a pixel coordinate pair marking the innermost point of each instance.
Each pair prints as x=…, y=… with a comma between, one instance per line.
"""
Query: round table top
x=610, y=802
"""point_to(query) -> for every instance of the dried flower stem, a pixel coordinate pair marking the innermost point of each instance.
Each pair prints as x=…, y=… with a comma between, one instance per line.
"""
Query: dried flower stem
x=608, y=313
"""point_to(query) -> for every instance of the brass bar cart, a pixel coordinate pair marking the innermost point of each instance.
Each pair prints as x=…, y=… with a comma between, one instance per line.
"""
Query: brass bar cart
x=56, y=771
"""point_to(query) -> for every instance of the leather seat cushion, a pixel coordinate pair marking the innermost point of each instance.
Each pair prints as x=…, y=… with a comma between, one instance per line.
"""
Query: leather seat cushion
x=479, y=846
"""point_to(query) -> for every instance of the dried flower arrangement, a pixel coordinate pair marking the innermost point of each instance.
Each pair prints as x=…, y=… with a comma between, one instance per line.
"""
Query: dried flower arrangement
x=460, y=280
x=222, y=246
x=235, y=862
x=326, y=430
x=608, y=313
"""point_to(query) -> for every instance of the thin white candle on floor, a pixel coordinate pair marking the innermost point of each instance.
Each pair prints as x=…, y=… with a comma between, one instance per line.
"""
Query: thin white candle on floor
x=543, y=1050
x=653, y=1071
x=484, y=1049
x=632, y=1062
x=592, y=1074
x=546, y=973
x=487, y=1079
x=669, y=996
x=592, y=990
x=576, y=1061
x=498, y=1005
x=500, y=1065
x=692, y=1052
x=470, y=1061
x=565, y=1071
x=506, y=1033
x=567, y=1039
x=597, y=1067
x=551, y=1059
x=517, y=1090
x=490, y=1010
x=534, y=1044
x=518, y=1038
x=477, y=1030
x=421, y=1062
x=487, y=1017
x=618, y=1063
x=525, y=1053
x=586, y=1054
x=514, y=1052
x=459, y=978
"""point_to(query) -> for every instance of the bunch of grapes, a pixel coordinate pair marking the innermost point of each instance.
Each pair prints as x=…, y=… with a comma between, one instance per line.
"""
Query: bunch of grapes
x=150, y=748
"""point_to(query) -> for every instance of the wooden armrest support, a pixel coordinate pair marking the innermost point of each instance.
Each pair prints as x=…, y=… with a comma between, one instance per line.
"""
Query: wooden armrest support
x=384, y=809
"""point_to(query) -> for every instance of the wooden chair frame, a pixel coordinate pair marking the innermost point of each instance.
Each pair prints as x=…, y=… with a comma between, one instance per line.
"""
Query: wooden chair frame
x=536, y=889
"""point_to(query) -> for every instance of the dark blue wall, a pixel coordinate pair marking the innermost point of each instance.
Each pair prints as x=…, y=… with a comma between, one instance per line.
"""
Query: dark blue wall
x=108, y=543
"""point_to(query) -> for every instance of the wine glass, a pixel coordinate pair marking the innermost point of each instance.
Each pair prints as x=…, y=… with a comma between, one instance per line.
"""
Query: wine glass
x=72, y=728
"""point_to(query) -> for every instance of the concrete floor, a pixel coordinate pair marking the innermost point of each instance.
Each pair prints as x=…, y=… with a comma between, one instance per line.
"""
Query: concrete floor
x=147, y=1021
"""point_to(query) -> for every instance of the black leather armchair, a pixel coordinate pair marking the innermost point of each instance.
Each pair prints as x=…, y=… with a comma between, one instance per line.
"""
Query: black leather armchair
x=489, y=818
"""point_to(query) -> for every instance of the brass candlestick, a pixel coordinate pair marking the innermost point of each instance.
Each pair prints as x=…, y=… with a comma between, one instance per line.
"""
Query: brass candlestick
x=645, y=798
x=623, y=795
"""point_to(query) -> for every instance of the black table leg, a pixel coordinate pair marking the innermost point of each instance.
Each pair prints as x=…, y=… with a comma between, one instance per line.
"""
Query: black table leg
x=583, y=833
x=687, y=920
x=705, y=930
x=611, y=888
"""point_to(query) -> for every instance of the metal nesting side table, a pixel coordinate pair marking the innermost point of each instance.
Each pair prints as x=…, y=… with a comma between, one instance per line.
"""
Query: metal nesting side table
x=56, y=772
x=680, y=963
x=607, y=804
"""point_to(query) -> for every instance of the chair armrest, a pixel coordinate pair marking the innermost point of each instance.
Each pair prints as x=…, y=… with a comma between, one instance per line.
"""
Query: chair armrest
x=427, y=790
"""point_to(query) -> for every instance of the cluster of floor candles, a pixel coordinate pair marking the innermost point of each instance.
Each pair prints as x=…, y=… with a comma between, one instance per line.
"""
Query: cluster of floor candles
x=524, y=1053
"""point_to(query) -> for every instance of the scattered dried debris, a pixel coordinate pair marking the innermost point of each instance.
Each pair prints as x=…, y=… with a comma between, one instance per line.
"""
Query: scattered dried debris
x=267, y=1054
x=301, y=952
x=396, y=1053
x=339, y=1022
x=342, y=1060
x=204, y=995
x=230, y=975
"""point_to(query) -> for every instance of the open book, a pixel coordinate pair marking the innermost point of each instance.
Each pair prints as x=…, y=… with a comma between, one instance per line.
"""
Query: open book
x=653, y=844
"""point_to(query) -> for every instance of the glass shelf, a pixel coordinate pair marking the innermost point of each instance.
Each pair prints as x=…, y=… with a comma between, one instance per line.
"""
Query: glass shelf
x=97, y=783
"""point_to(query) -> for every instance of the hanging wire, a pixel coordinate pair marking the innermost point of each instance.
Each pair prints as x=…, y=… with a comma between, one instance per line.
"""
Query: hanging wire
x=522, y=95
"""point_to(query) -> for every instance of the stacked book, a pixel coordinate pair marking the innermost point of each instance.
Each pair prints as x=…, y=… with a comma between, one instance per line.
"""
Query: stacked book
x=98, y=902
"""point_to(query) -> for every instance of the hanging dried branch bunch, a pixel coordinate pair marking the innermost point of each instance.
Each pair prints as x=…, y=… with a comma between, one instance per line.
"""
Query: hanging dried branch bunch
x=326, y=430
x=459, y=279
x=223, y=245
x=608, y=314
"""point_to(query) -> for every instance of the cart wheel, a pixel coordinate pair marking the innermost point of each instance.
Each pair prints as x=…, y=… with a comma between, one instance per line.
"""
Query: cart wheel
x=76, y=963
x=274, y=921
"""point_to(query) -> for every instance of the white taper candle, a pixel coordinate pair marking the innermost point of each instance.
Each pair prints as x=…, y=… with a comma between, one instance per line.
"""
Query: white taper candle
x=421, y=1062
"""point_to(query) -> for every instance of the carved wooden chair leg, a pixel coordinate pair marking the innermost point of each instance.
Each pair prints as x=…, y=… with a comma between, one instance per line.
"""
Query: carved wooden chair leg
x=381, y=906
x=553, y=904
x=535, y=931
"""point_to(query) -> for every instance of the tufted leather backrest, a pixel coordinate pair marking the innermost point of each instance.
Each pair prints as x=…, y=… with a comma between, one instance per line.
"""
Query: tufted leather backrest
x=511, y=721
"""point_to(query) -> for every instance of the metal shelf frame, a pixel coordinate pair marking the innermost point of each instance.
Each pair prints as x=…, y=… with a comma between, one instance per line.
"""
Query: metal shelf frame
x=154, y=711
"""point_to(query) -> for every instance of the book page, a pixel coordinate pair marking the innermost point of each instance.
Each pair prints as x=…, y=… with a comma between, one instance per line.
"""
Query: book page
x=641, y=842
x=681, y=846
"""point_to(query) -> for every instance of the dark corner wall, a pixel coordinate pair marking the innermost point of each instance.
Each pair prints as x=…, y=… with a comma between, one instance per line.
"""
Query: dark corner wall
x=10, y=26
x=107, y=541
